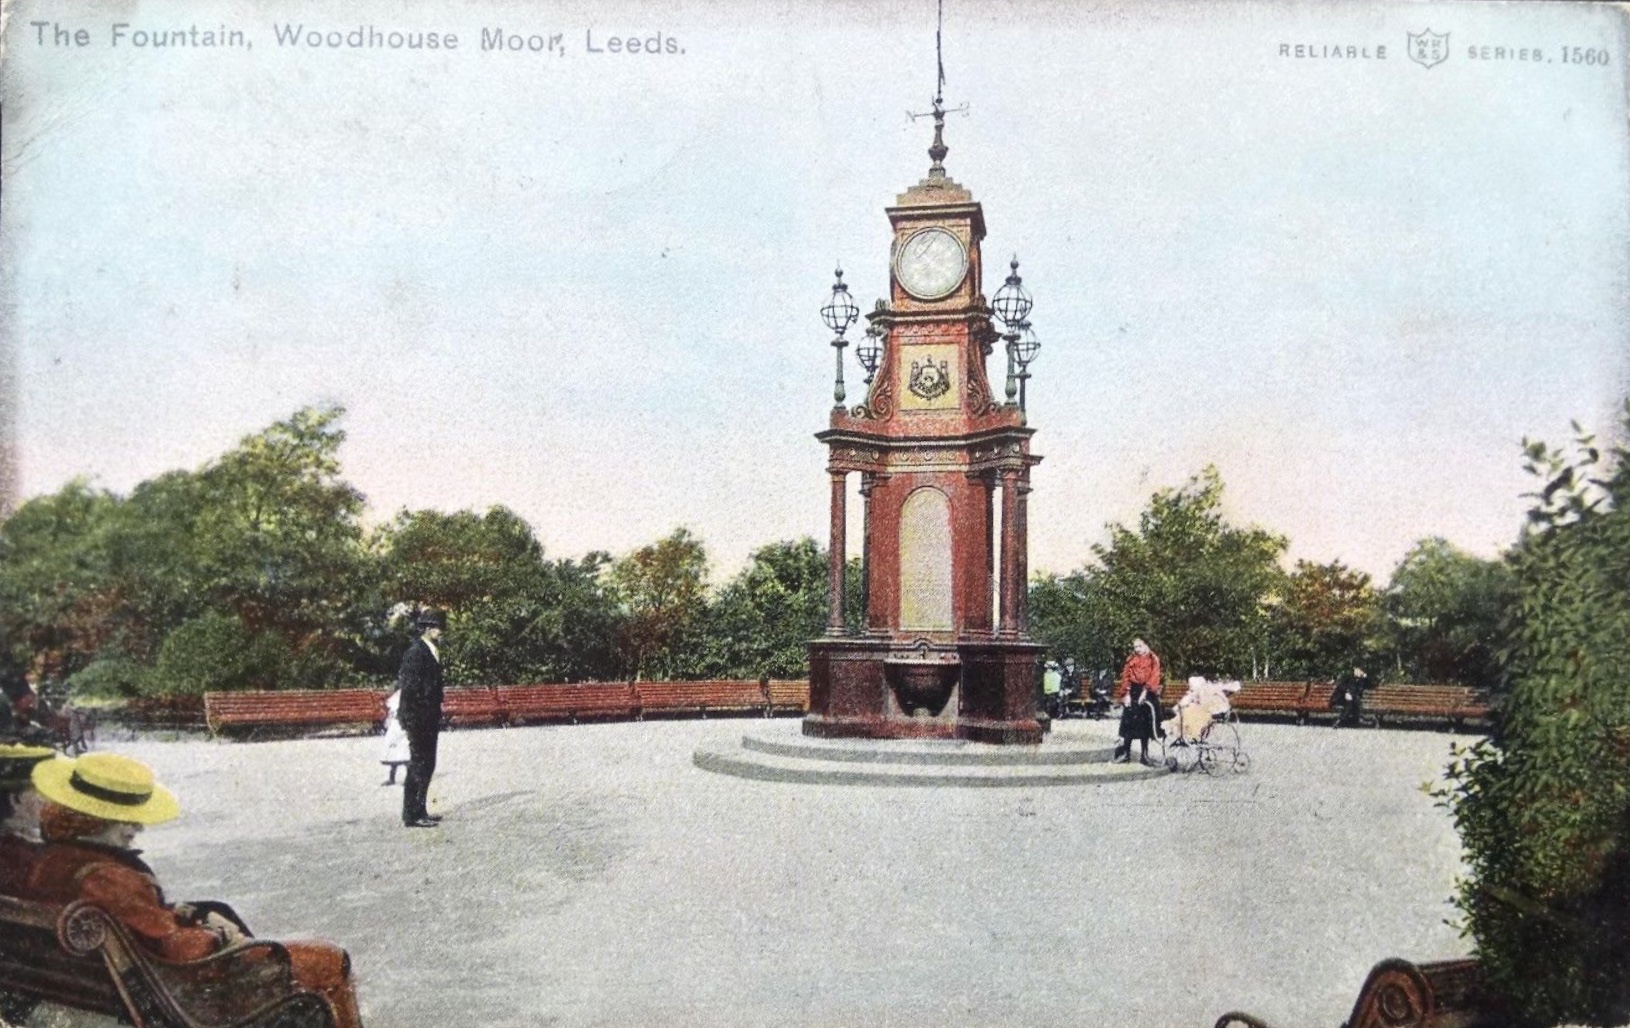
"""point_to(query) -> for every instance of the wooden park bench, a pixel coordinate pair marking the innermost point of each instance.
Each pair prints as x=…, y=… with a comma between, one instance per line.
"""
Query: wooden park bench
x=78, y=956
x=700, y=698
x=1453, y=705
x=292, y=709
x=527, y=703
x=1399, y=994
x=789, y=697
x=473, y=706
x=1280, y=699
x=1171, y=693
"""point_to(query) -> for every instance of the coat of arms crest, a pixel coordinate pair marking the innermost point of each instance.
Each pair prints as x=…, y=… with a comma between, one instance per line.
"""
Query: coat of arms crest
x=930, y=381
x=1428, y=48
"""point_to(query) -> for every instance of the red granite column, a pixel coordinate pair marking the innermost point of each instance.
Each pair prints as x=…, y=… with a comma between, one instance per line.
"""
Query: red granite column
x=838, y=542
x=1021, y=621
x=868, y=481
x=1010, y=553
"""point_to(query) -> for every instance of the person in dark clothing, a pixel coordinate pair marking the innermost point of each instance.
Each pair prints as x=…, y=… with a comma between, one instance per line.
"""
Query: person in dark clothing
x=420, y=682
x=1348, y=696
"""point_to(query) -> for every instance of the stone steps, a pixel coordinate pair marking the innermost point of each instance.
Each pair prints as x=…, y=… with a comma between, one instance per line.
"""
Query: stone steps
x=781, y=753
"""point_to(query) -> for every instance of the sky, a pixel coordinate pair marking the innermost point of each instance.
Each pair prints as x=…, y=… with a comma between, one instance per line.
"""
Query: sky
x=585, y=284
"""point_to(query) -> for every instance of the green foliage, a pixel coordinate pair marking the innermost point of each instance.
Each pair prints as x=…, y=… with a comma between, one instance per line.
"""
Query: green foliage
x=1323, y=621
x=217, y=651
x=114, y=678
x=1074, y=616
x=56, y=587
x=761, y=622
x=1445, y=610
x=1185, y=580
x=1543, y=807
x=514, y=616
x=663, y=591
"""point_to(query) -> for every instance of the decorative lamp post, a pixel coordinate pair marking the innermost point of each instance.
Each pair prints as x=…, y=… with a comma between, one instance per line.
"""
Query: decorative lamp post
x=870, y=353
x=1012, y=305
x=1025, y=348
x=839, y=313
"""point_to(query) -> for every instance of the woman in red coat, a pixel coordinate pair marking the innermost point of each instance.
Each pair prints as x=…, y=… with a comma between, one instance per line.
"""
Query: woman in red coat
x=1139, y=694
x=97, y=805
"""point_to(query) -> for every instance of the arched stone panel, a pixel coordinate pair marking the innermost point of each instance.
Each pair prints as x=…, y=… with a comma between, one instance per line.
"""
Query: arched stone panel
x=925, y=562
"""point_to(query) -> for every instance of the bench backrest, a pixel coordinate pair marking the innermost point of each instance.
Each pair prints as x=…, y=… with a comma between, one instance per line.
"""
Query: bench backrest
x=35, y=962
x=659, y=695
x=294, y=707
x=79, y=956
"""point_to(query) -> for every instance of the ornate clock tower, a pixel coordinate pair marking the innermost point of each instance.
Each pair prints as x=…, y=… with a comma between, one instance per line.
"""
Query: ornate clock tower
x=944, y=467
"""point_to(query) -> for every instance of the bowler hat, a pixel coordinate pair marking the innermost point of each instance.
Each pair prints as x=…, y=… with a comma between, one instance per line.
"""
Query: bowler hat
x=17, y=762
x=107, y=786
x=430, y=617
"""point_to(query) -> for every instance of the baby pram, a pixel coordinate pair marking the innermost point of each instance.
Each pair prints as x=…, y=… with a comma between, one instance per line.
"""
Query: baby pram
x=1203, y=732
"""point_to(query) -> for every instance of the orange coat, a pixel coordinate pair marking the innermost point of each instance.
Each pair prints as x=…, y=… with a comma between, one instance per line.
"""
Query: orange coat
x=1141, y=669
x=120, y=883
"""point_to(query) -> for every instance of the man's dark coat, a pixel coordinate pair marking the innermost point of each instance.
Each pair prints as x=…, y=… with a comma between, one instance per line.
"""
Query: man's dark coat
x=420, y=681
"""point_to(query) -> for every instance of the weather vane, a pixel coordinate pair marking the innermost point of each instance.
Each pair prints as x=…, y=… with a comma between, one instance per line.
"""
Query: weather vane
x=938, y=150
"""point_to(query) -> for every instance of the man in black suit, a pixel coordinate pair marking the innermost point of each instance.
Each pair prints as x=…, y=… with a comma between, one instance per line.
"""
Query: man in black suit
x=419, y=711
x=1348, y=696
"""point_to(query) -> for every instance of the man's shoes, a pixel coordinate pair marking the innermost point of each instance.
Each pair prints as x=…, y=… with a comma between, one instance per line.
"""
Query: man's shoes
x=1146, y=762
x=419, y=822
x=433, y=817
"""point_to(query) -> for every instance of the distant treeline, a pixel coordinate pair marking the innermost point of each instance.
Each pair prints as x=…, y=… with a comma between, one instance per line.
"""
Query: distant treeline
x=256, y=571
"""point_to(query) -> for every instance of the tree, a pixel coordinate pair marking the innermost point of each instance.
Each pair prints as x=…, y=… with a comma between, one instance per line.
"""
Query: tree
x=514, y=616
x=761, y=622
x=1073, y=615
x=1543, y=805
x=663, y=591
x=1186, y=580
x=56, y=587
x=1445, y=608
x=266, y=538
x=1325, y=618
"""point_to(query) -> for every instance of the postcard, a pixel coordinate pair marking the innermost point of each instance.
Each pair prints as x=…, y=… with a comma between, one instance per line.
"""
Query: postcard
x=864, y=355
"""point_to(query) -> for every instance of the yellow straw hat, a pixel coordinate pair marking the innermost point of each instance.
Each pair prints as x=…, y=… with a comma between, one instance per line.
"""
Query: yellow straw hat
x=17, y=762
x=107, y=786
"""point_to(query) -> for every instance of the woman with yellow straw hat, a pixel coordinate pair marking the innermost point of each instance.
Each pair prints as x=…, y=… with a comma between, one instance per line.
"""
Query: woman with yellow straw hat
x=97, y=805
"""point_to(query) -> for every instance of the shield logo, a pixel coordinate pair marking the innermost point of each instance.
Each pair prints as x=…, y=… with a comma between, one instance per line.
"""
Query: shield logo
x=1428, y=48
x=928, y=380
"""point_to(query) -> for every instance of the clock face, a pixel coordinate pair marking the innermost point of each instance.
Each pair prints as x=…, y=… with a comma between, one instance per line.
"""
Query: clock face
x=931, y=264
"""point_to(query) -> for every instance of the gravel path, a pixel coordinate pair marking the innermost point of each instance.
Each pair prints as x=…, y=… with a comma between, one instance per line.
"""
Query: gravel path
x=590, y=875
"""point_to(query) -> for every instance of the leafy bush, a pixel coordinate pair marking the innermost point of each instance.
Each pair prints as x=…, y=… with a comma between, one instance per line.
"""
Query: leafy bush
x=108, y=679
x=216, y=651
x=1543, y=806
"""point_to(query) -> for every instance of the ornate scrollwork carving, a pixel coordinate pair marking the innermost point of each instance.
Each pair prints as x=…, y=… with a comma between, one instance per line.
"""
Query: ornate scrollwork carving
x=1396, y=995
x=979, y=398
x=82, y=929
x=880, y=404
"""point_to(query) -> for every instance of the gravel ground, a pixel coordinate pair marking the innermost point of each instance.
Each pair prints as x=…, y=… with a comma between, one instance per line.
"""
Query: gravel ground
x=590, y=875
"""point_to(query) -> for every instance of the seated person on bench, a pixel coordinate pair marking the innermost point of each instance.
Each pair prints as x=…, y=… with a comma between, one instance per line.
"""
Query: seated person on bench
x=20, y=807
x=96, y=806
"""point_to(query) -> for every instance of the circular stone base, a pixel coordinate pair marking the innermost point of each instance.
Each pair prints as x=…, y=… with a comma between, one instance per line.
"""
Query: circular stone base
x=780, y=752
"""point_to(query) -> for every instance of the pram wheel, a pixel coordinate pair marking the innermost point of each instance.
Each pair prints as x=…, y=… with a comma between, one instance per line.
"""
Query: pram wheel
x=1220, y=747
x=1182, y=756
x=1207, y=761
